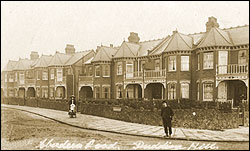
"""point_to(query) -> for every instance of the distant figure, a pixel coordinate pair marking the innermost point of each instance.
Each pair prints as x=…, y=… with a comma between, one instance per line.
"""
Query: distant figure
x=72, y=100
x=167, y=114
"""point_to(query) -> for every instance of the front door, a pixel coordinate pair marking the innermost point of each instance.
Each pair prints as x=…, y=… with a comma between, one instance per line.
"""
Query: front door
x=223, y=57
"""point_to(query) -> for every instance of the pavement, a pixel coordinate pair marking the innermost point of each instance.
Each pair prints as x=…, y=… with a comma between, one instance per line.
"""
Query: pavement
x=240, y=134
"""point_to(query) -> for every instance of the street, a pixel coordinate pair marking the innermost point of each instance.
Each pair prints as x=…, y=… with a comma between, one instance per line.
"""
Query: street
x=23, y=130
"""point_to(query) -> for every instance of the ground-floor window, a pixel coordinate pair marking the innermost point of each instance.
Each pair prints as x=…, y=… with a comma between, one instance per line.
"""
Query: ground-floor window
x=97, y=92
x=172, y=91
x=208, y=91
x=37, y=92
x=130, y=91
x=106, y=92
x=52, y=92
x=184, y=90
x=44, y=92
x=119, y=92
x=11, y=93
x=198, y=91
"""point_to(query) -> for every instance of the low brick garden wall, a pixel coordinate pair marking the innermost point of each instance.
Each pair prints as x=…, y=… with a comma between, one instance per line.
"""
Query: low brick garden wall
x=209, y=115
x=213, y=119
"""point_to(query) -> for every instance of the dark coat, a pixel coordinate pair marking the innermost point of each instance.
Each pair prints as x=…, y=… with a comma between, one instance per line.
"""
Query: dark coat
x=70, y=102
x=167, y=114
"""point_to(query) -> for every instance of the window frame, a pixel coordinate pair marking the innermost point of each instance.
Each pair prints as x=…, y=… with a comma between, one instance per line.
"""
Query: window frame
x=205, y=62
x=119, y=68
x=208, y=83
x=106, y=70
x=183, y=63
x=188, y=90
x=170, y=61
x=99, y=70
x=172, y=92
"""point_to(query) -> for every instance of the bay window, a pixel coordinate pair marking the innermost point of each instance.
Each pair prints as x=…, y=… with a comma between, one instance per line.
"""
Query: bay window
x=207, y=91
x=184, y=63
x=59, y=74
x=106, y=70
x=208, y=60
x=172, y=91
x=97, y=71
x=185, y=90
x=119, y=68
x=172, y=63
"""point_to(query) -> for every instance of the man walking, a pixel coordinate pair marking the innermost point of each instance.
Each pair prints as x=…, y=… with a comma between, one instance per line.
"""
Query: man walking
x=167, y=114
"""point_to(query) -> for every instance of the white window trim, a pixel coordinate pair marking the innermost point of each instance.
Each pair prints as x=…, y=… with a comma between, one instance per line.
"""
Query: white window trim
x=104, y=71
x=203, y=87
x=206, y=68
x=188, y=64
x=99, y=71
x=175, y=64
x=188, y=83
x=118, y=73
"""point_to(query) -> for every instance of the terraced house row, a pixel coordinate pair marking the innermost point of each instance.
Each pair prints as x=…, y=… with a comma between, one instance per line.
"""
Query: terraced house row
x=205, y=66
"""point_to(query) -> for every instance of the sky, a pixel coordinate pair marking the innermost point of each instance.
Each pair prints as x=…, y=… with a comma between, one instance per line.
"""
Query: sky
x=46, y=27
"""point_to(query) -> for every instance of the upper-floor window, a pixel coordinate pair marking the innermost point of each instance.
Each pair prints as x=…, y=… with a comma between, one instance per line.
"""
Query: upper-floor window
x=59, y=74
x=172, y=63
x=37, y=75
x=242, y=57
x=184, y=63
x=157, y=65
x=129, y=69
x=198, y=62
x=208, y=60
x=119, y=68
x=52, y=73
x=21, y=77
x=97, y=71
x=142, y=65
x=45, y=75
x=11, y=78
x=106, y=70
x=90, y=71
x=6, y=77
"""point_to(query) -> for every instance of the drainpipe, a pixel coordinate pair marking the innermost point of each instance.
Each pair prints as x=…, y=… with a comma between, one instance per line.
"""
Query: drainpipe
x=73, y=80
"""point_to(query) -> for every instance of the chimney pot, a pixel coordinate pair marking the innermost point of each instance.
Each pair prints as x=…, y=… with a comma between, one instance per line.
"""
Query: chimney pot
x=69, y=49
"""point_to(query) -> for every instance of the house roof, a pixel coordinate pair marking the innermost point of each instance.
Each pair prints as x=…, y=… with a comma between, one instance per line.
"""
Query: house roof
x=148, y=45
x=89, y=61
x=239, y=35
x=43, y=61
x=176, y=41
x=10, y=65
x=76, y=57
x=104, y=53
x=23, y=64
x=129, y=49
x=216, y=37
x=59, y=59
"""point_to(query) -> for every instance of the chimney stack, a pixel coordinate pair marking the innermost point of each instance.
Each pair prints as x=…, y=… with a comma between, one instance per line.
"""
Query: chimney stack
x=134, y=38
x=34, y=55
x=69, y=49
x=212, y=22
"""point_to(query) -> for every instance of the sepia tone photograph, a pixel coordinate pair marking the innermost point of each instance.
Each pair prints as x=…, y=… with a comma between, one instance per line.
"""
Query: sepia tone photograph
x=124, y=75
